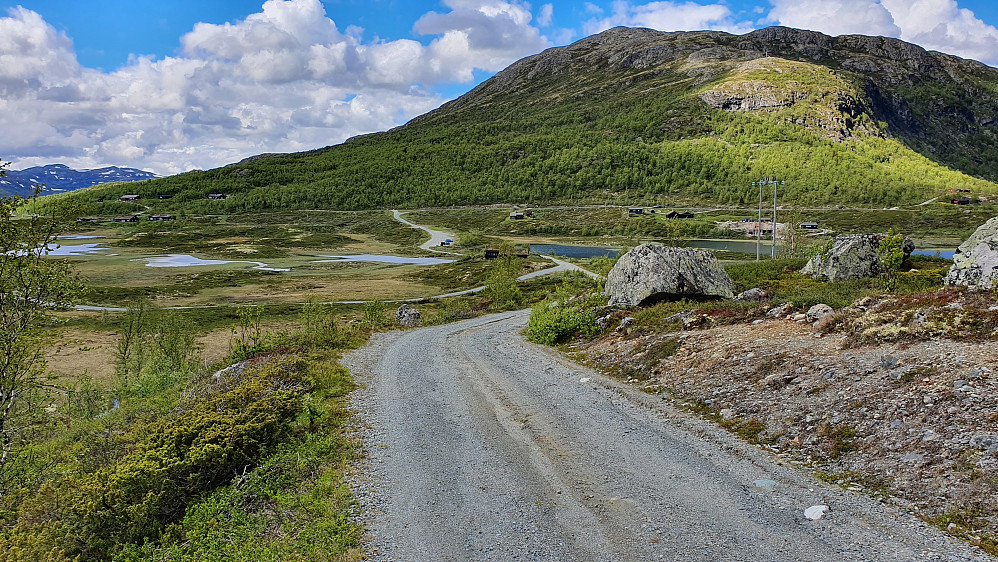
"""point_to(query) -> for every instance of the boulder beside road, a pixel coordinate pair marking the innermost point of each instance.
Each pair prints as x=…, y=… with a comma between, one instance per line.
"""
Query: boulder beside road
x=852, y=256
x=975, y=263
x=408, y=316
x=652, y=272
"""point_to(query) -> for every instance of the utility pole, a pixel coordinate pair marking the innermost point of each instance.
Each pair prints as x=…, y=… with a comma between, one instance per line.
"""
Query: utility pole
x=758, y=225
x=773, y=254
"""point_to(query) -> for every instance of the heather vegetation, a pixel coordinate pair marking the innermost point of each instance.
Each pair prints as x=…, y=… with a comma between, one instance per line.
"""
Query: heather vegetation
x=173, y=459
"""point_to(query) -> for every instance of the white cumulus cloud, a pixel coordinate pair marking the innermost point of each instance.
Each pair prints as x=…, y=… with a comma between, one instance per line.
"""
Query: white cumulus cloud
x=943, y=26
x=668, y=16
x=284, y=79
x=836, y=17
x=934, y=24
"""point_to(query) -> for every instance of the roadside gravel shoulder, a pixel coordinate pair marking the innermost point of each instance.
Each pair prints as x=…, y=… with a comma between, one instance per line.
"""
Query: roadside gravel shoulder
x=481, y=446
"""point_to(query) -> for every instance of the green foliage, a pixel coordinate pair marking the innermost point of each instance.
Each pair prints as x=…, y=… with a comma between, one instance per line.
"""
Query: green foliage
x=621, y=134
x=501, y=285
x=375, y=314
x=891, y=255
x=293, y=505
x=837, y=439
x=31, y=285
x=130, y=355
x=248, y=335
x=561, y=317
x=317, y=322
x=222, y=427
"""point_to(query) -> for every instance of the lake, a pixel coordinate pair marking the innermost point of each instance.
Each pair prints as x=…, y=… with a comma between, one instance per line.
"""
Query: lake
x=568, y=251
x=186, y=260
x=742, y=246
x=380, y=258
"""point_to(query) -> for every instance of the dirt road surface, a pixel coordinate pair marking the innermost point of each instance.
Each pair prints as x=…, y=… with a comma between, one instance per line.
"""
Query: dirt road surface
x=482, y=446
x=436, y=236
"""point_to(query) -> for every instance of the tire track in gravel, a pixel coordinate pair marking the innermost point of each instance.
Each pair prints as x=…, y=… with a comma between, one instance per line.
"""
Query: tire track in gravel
x=482, y=446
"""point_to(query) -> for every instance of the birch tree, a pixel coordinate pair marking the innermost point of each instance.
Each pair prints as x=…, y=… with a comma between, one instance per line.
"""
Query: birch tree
x=31, y=285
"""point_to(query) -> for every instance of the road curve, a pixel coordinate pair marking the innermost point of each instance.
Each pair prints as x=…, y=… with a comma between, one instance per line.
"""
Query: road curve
x=436, y=236
x=482, y=446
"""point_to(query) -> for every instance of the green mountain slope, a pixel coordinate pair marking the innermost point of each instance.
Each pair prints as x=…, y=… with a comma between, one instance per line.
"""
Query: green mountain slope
x=649, y=116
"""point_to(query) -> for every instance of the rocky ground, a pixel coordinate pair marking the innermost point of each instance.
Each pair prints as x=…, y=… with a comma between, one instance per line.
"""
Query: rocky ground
x=890, y=397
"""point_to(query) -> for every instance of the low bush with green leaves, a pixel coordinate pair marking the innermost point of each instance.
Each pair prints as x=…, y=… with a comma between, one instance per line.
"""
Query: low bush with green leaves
x=243, y=464
x=557, y=319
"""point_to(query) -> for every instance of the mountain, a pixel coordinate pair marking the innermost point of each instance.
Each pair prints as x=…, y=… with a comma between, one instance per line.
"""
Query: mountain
x=636, y=115
x=59, y=178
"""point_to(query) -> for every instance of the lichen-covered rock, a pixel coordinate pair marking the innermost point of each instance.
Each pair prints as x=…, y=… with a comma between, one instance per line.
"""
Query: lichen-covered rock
x=975, y=263
x=752, y=295
x=852, y=256
x=408, y=316
x=651, y=272
x=818, y=311
x=780, y=311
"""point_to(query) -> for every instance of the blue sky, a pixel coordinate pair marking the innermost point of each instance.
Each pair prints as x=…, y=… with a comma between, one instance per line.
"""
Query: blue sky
x=180, y=84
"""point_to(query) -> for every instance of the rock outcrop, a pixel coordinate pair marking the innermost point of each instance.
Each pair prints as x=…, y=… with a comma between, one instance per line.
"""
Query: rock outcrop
x=852, y=256
x=650, y=273
x=818, y=311
x=408, y=316
x=754, y=294
x=975, y=263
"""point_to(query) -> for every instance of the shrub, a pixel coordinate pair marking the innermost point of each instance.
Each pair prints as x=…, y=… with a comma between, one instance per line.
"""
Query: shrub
x=501, y=286
x=171, y=463
x=554, y=321
x=891, y=253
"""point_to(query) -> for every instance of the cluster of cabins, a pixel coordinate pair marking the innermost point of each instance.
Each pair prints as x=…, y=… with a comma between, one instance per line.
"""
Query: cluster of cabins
x=132, y=198
x=657, y=209
x=632, y=211
x=127, y=218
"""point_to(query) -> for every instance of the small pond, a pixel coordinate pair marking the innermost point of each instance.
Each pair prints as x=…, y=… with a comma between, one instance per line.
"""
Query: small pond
x=945, y=254
x=186, y=260
x=377, y=258
x=59, y=250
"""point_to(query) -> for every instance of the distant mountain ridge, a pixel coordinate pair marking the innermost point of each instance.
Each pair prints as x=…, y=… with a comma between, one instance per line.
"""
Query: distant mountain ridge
x=60, y=178
x=638, y=116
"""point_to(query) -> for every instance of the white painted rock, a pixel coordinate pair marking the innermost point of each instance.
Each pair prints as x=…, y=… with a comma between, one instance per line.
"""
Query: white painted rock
x=816, y=512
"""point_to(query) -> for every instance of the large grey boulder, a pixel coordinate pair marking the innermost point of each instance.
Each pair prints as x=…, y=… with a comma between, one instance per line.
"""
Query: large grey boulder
x=975, y=263
x=651, y=272
x=852, y=256
x=408, y=316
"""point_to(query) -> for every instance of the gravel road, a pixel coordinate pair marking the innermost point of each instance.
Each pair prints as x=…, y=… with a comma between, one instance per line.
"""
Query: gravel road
x=482, y=446
x=436, y=236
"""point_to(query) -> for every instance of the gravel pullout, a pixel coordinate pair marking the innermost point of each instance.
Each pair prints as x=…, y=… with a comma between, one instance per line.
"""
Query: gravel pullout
x=481, y=446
